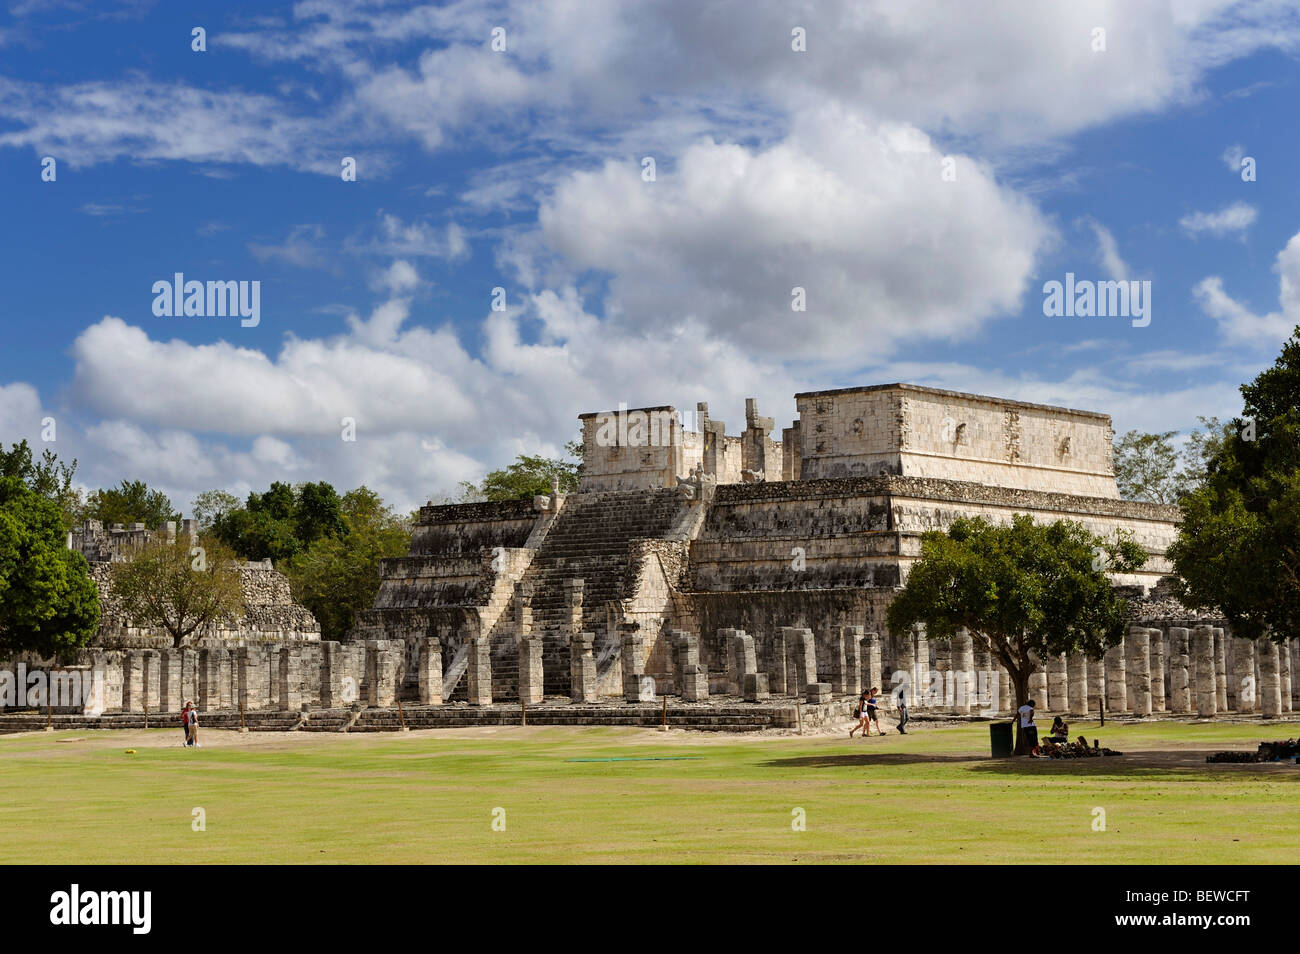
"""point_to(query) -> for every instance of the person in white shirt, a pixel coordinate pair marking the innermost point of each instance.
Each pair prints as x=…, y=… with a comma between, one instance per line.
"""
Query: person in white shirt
x=1027, y=727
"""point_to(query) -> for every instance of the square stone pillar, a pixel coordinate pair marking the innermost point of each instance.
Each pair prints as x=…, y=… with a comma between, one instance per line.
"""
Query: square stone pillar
x=727, y=639
x=1205, y=687
x=1116, y=688
x=779, y=661
x=1076, y=667
x=151, y=683
x=1284, y=674
x=291, y=695
x=801, y=668
x=190, y=659
x=1138, y=671
x=382, y=664
x=429, y=671
x=904, y=667
x=530, y=670
x=965, y=682
x=942, y=690
x=1243, y=674
x=1037, y=685
x=331, y=675
x=133, y=681
x=214, y=662
x=582, y=668
x=921, y=673
x=851, y=678
x=1220, y=670
x=873, y=672
x=254, y=688
x=743, y=658
x=695, y=681
x=1180, y=697
x=1270, y=683
x=169, y=681
x=755, y=686
x=479, y=672
x=1058, y=683
x=1157, y=670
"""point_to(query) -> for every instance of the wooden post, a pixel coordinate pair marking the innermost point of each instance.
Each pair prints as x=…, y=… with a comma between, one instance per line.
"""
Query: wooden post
x=523, y=711
x=798, y=710
x=146, y=715
x=664, y=723
x=242, y=728
x=400, y=717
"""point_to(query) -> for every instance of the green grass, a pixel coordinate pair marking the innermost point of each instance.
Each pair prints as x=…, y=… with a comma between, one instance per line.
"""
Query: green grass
x=932, y=796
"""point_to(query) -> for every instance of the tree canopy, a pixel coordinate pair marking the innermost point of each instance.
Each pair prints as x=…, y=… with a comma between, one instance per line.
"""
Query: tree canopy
x=531, y=476
x=48, y=602
x=47, y=477
x=281, y=523
x=169, y=585
x=1237, y=542
x=131, y=502
x=1028, y=591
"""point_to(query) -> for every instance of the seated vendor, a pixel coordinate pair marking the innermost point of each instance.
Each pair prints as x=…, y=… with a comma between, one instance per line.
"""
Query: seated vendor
x=1060, y=731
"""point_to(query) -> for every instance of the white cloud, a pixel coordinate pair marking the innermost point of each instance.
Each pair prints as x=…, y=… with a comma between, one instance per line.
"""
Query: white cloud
x=1235, y=218
x=1108, y=252
x=1241, y=325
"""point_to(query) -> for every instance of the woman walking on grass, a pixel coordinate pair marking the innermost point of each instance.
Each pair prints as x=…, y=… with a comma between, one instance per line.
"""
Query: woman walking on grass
x=871, y=712
x=862, y=715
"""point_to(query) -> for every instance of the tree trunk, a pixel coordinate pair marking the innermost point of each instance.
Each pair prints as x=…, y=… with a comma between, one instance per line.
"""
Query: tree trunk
x=1020, y=694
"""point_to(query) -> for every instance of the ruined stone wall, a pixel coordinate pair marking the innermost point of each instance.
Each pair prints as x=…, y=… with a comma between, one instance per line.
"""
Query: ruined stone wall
x=925, y=432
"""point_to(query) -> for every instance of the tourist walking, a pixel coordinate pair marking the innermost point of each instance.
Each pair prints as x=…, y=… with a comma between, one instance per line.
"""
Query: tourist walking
x=185, y=721
x=901, y=705
x=194, y=727
x=872, y=715
x=861, y=712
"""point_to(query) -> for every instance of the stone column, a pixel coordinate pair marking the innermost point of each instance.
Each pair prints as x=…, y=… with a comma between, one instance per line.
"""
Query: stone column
x=904, y=669
x=1220, y=671
x=1243, y=674
x=1157, y=670
x=1116, y=685
x=833, y=662
x=802, y=666
x=727, y=640
x=291, y=677
x=985, y=694
x=251, y=669
x=573, y=590
x=637, y=686
x=1077, y=674
x=429, y=670
x=133, y=681
x=1138, y=671
x=169, y=681
x=963, y=660
x=873, y=667
x=777, y=661
x=479, y=672
x=1270, y=686
x=1203, y=679
x=695, y=681
x=1294, y=651
x=530, y=670
x=1004, y=688
x=151, y=683
x=1037, y=683
x=851, y=684
x=331, y=675
x=582, y=668
x=1284, y=674
x=1179, y=685
x=210, y=679
x=1058, y=683
x=944, y=691
x=921, y=676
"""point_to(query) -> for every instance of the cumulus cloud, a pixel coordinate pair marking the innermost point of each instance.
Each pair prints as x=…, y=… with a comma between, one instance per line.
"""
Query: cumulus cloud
x=1232, y=219
x=1238, y=323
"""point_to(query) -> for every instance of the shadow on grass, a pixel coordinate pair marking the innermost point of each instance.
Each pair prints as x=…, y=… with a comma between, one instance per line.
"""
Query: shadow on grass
x=1136, y=765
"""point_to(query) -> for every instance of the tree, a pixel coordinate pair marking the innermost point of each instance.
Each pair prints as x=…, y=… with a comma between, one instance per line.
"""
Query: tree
x=1027, y=591
x=48, y=602
x=530, y=476
x=337, y=576
x=282, y=522
x=131, y=502
x=212, y=504
x=1146, y=467
x=178, y=588
x=47, y=477
x=1237, y=541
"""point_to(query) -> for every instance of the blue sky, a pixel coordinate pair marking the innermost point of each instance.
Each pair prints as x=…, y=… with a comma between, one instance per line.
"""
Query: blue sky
x=522, y=169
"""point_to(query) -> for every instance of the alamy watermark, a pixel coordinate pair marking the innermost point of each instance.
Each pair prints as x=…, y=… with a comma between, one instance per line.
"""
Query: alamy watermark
x=194, y=299
x=1088, y=299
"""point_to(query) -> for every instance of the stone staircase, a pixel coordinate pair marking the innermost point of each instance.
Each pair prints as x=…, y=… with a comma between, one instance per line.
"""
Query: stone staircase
x=590, y=541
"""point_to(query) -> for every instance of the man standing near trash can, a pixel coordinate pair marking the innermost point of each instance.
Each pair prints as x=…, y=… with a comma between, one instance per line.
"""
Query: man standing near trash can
x=1028, y=730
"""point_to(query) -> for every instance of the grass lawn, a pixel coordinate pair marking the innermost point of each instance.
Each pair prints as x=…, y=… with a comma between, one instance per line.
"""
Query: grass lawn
x=932, y=796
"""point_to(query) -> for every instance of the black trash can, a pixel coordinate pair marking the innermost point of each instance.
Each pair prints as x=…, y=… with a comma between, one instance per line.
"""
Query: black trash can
x=1002, y=739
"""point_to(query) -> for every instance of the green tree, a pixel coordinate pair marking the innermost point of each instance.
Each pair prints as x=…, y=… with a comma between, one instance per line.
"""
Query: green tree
x=211, y=504
x=48, y=602
x=281, y=523
x=179, y=588
x=131, y=502
x=48, y=477
x=1027, y=591
x=530, y=476
x=338, y=576
x=1147, y=467
x=1237, y=541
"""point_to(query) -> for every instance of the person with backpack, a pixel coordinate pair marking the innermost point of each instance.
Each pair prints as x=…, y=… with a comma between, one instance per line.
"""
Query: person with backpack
x=861, y=712
x=185, y=721
x=871, y=712
x=194, y=727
